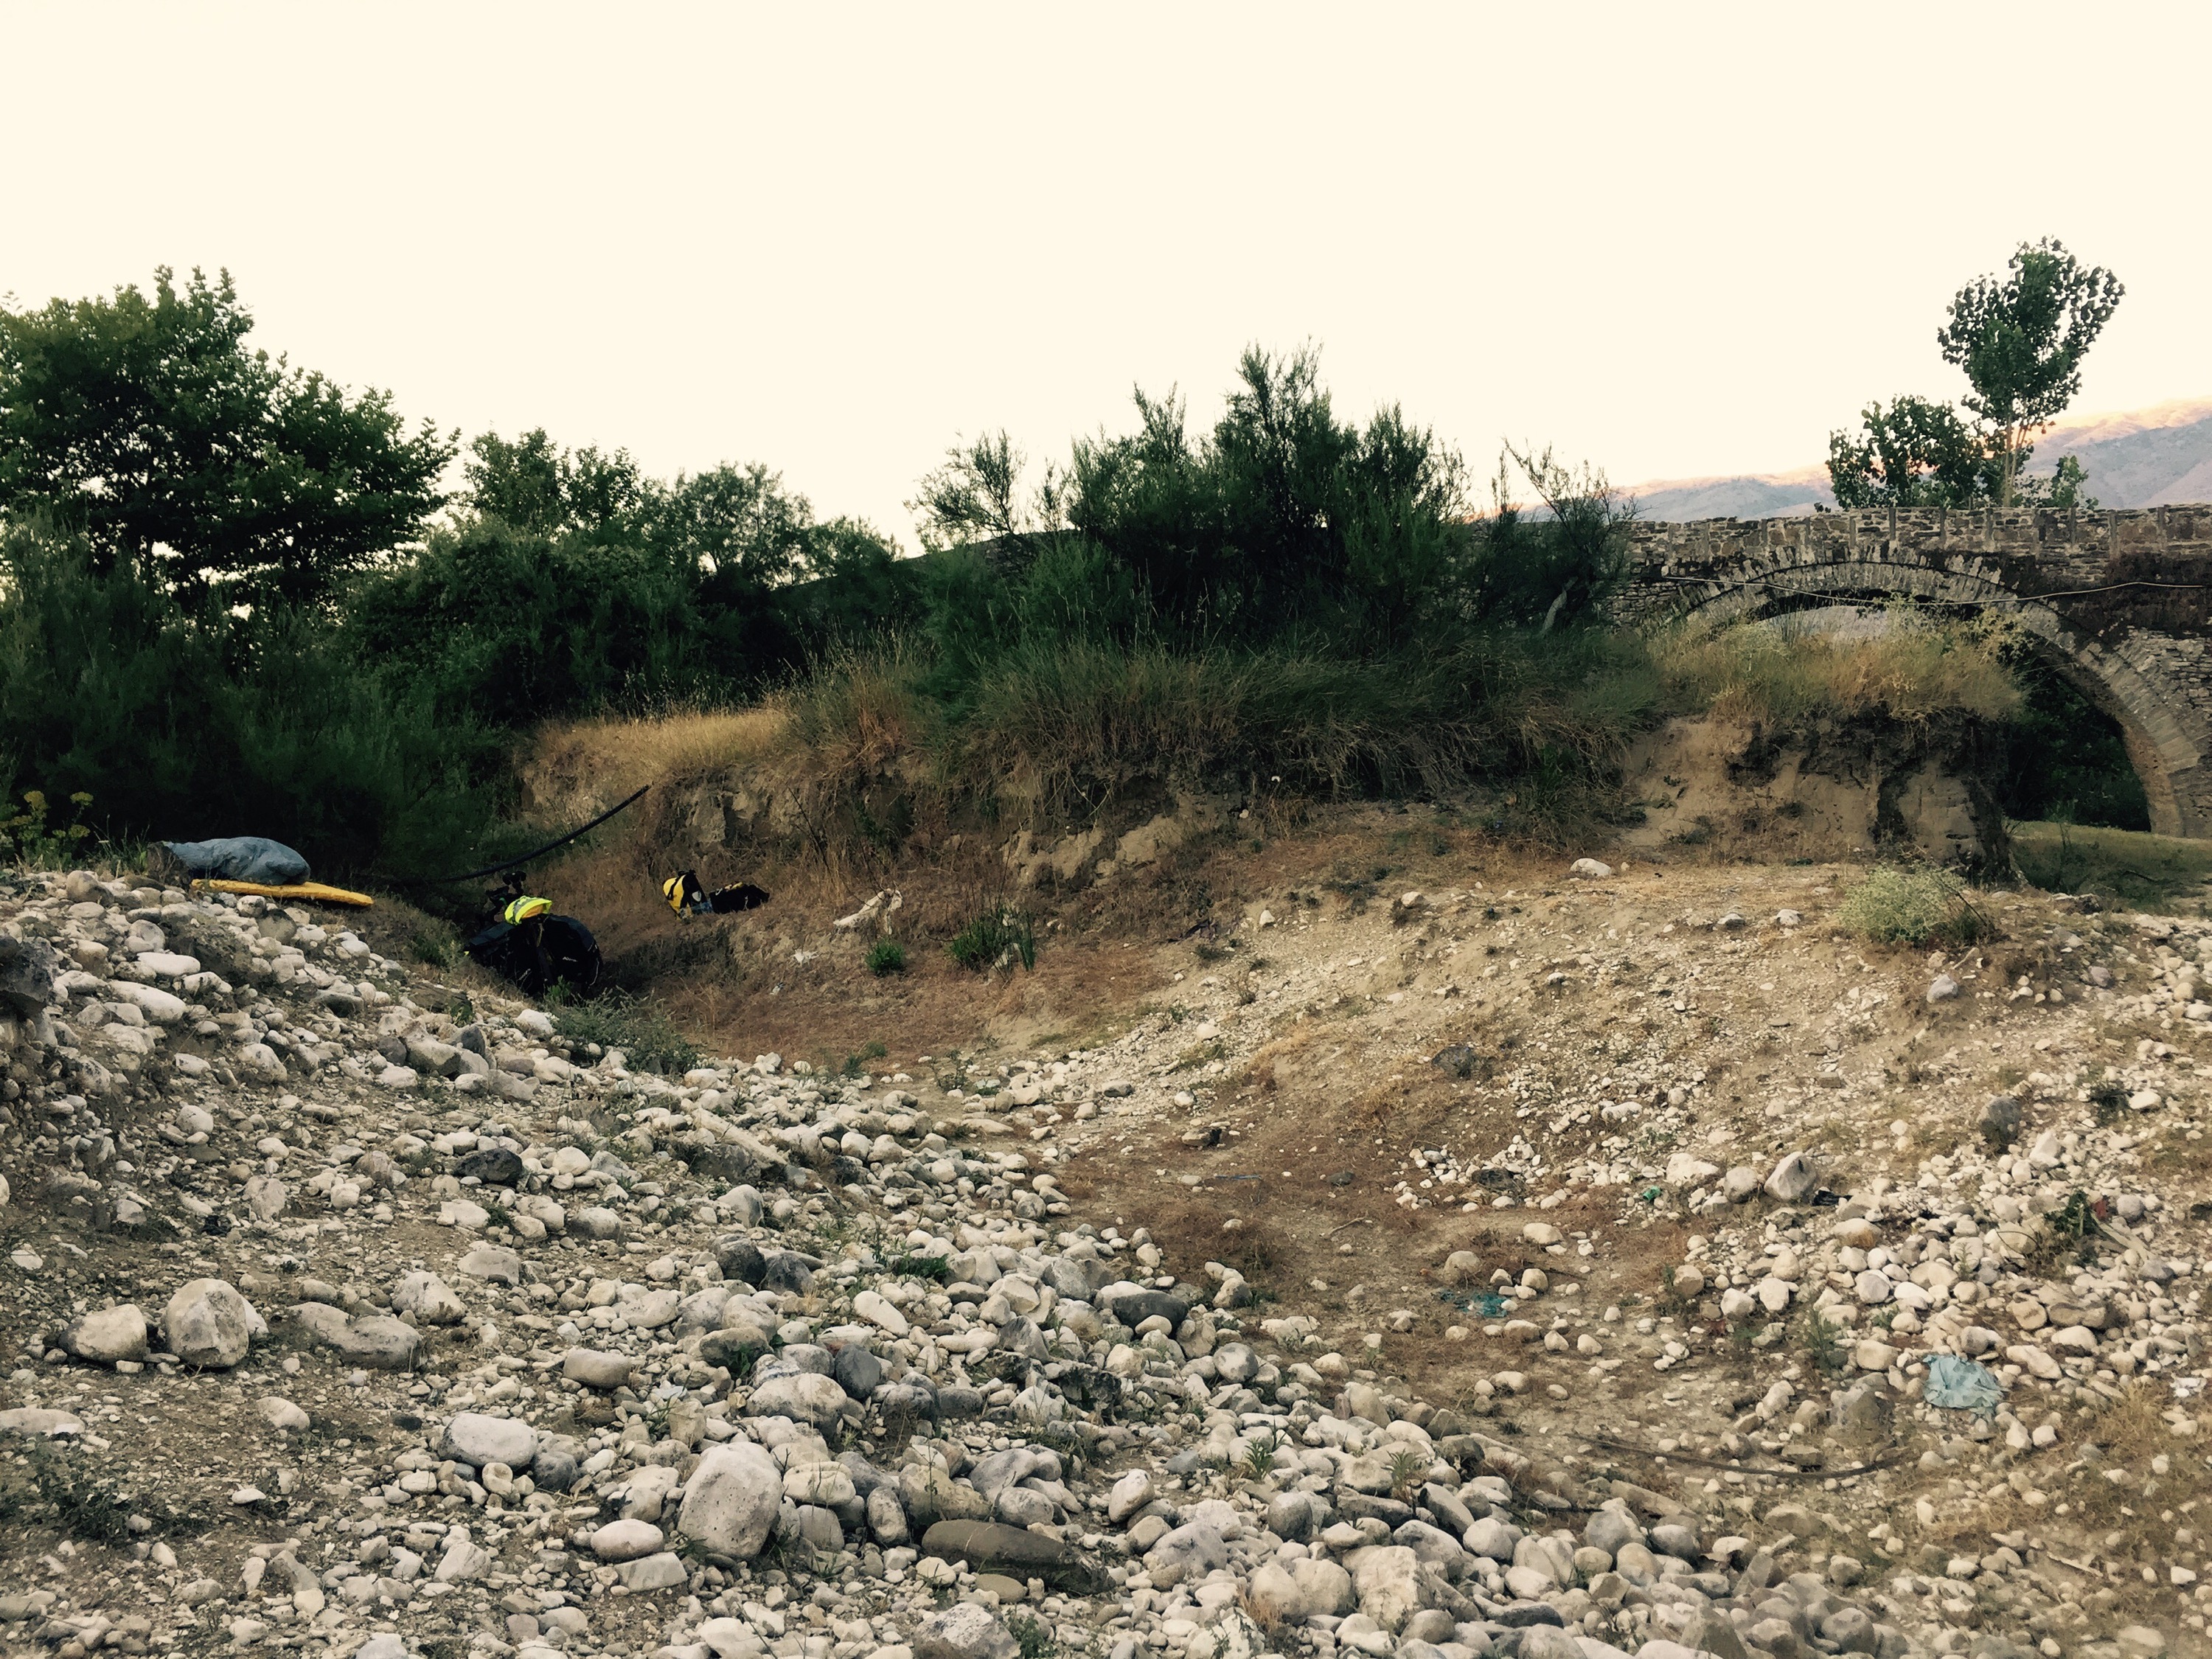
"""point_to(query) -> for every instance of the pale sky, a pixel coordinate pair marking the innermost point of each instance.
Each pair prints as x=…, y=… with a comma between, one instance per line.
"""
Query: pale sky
x=1673, y=241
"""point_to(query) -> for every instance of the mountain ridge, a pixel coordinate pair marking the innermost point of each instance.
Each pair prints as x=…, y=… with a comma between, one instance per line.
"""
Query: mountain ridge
x=2149, y=457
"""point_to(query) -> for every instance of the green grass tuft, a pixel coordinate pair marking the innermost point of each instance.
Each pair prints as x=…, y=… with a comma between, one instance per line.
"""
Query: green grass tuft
x=1897, y=905
x=997, y=938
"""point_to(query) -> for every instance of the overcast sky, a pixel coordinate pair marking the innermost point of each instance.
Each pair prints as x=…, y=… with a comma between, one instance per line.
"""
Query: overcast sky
x=1673, y=241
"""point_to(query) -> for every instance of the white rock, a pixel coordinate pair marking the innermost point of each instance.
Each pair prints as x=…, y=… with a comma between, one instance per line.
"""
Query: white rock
x=732, y=1499
x=1590, y=869
x=428, y=1298
x=282, y=1415
x=1793, y=1177
x=879, y=1312
x=258, y=1063
x=209, y=1324
x=626, y=1541
x=108, y=1335
x=1130, y=1493
x=475, y=1437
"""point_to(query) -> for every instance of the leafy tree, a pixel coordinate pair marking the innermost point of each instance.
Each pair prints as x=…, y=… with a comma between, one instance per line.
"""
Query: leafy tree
x=535, y=487
x=2022, y=341
x=1914, y=454
x=147, y=425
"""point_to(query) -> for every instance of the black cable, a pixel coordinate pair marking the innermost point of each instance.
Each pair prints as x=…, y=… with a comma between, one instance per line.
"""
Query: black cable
x=493, y=869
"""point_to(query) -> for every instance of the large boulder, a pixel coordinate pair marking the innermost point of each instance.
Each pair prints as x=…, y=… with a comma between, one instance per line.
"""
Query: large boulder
x=474, y=1438
x=429, y=1298
x=968, y=1630
x=927, y=1494
x=1134, y=1303
x=805, y=1398
x=105, y=1337
x=377, y=1342
x=1388, y=1581
x=27, y=967
x=1189, y=1551
x=994, y=1546
x=732, y=1501
x=209, y=1324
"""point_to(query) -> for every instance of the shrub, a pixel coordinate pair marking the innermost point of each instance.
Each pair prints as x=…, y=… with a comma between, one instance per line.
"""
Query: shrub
x=886, y=956
x=28, y=838
x=637, y=1025
x=997, y=938
x=1895, y=905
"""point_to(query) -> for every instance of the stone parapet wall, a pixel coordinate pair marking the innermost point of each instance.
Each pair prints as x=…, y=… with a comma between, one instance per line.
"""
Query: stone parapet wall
x=2123, y=600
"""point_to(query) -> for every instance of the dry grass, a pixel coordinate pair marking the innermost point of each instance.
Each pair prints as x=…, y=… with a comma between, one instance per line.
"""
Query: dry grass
x=1913, y=671
x=580, y=768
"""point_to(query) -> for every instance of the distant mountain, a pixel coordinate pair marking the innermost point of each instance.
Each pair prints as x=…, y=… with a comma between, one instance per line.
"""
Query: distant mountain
x=2143, y=458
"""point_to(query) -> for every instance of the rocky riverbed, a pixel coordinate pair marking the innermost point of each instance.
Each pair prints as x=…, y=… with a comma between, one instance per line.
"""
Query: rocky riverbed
x=349, y=1318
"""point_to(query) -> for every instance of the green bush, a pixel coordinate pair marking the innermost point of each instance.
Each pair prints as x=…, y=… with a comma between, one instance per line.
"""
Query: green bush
x=1895, y=905
x=186, y=725
x=637, y=1025
x=886, y=956
x=997, y=938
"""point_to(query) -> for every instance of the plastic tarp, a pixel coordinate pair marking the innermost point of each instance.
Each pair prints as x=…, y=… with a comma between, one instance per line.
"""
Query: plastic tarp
x=240, y=858
x=1961, y=1385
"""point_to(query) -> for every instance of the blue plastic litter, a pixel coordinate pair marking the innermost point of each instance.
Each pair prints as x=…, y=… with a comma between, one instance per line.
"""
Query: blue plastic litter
x=241, y=858
x=1961, y=1385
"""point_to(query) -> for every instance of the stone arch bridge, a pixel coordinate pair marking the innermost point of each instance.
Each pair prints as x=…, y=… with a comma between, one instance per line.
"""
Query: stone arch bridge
x=2121, y=601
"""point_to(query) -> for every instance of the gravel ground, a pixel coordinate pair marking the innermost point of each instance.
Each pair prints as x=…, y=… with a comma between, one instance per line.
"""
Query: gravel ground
x=1722, y=1286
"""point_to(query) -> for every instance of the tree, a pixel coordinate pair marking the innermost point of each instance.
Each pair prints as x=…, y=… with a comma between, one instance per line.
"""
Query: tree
x=1914, y=454
x=533, y=486
x=976, y=496
x=148, y=426
x=2022, y=341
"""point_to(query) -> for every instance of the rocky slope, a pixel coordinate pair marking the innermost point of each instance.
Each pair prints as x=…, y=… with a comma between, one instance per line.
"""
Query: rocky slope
x=352, y=1319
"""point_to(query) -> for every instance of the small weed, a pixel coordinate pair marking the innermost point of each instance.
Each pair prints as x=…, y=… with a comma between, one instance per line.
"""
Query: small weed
x=1823, y=1345
x=1032, y=1637
x=26, y=837
x=856, y=1065
x=638, y=1026
x=886, y=956
x=461, y=1009
x=2108, y=1100
x=1209, y=951
x=937, y=1267
x=84, y=1505
x=997, y=938
x=1407, y=1470
x=437, y=948
x=1259, y=1456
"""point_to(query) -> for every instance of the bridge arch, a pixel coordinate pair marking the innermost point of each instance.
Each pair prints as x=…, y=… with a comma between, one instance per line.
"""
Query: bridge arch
x=2164, y=734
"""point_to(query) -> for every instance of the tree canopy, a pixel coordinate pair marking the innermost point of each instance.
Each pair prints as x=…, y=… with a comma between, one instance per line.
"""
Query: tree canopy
x=2022, y=341
x=147, y=425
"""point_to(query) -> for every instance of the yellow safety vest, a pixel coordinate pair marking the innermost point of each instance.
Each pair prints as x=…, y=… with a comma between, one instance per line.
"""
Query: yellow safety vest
x=524, y=909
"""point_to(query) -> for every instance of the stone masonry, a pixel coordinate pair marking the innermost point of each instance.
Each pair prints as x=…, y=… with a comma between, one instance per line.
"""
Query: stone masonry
x=2122, y=601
